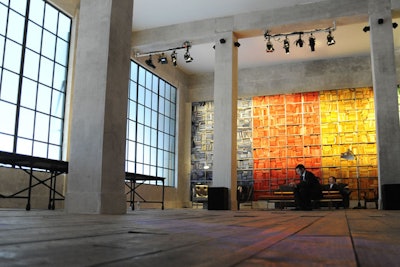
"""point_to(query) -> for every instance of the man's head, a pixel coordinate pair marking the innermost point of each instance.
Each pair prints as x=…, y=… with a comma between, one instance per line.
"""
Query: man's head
x=331, y=180
x=300, y=169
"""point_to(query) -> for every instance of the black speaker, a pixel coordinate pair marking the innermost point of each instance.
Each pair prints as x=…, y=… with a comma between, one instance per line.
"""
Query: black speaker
x=218, y=198
x=391, y=196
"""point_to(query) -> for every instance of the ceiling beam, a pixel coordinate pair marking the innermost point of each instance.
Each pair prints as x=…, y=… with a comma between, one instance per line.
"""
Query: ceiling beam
x=318, y=15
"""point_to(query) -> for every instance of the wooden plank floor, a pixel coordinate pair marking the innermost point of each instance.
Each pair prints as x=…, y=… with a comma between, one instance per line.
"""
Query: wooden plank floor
x=197, y=237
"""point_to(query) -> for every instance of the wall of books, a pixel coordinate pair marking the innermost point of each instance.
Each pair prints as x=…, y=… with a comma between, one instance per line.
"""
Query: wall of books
x=275, y=133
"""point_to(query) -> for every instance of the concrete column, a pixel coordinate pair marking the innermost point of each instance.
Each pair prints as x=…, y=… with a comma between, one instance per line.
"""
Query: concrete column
x=385, y=92
x=225, y=115
x=99, y=108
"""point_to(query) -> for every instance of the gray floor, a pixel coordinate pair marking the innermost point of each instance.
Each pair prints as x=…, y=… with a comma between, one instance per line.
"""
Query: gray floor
x=198, y=237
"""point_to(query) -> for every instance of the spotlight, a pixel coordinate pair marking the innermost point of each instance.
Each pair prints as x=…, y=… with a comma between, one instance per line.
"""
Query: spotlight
x=187, y=56
x=222, y=40
x=299, y=42
x=366, y=29
x=174, y=58
x=270, y=47
x=162, y=59
x=237, y=44
x=286, y=45
x=149, y=62
x=311, y=42
x=380, y=21
x=394, y=24
x=329, y=38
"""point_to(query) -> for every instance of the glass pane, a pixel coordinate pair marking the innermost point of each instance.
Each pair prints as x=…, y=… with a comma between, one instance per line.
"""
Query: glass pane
x=140, y=131
x=168, y=91
x=172, y=114
x=36, y=10
x=149, y=77
x=139, y=153
x=132, y=110
x=46, y=71
x=50, y=19
x=15, y=27
x=2, y=40
x=131, y=151
x=139, y=168
x=9, y=87
x=154, y=119
x=160, y=143
x=62, y=52
x=162, y=88
x=153, y=137
x=134, y=71
x=160, y=159
x=131, y=130
x=56, y=130
x=43, y=99
x=166, y=125
x=28, y=95
x=167, y=109
x=12, y=60
x=60, y=76
x=39, y=149
x=166, y=142
x=19, y=6
x=140, y=114
x=64, y=27
x=48, y=44
x=141, y=91
x=147, y=115
x=155, y=84
x=31, y=65
x=153, y=160
x=24, y=146
x=146, y=154
x=25, y=124
x=41, y=127
x=148, y=98
x=153, y=171
x=160, y=122
x=57, y=104
x=173, y=94
x=147, y=136
x=132, y=91
x=3, y=19
x=154, y=104
x=54, y=152
x=142, y=76
x=6, y=143
x=7, y=124
x=34, y=37
x=161, y=104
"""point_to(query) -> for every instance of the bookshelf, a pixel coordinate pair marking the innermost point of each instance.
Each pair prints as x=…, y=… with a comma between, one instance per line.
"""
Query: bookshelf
x=275, y=133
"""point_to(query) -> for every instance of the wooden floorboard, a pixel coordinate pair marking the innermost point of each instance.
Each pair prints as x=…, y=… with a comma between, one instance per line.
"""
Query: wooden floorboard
x=197, y=237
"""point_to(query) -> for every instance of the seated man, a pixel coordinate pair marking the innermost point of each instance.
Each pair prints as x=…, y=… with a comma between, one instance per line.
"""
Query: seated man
x=342, y=188
x=307, y=189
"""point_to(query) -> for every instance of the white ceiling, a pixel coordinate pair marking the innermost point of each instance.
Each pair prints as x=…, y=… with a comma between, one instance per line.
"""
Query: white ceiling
x=350, y=39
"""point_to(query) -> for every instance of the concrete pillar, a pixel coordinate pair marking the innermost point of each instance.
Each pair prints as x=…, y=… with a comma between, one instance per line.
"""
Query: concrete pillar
x=99, y=108
x=225, y=115
x=385, y=92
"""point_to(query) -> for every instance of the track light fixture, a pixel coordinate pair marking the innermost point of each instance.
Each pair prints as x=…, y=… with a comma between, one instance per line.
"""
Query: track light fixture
x=368, y=28
x=174, y=58
x=286, y=45
x=270, y=47
x=329, y=39
x=236, y=44
x=162, y=57
x=150, y=63
x=222, y=40
x=299, y=42
x=311, y=42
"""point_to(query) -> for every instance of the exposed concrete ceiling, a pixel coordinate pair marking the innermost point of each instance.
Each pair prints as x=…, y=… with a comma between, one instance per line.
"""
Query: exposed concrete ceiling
x=349, y=35
x=156, y=14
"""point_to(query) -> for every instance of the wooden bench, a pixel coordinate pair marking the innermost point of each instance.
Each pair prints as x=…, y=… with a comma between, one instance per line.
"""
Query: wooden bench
x=286, y=198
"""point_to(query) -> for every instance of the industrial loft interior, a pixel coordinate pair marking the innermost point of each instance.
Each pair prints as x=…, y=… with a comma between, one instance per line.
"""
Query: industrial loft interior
x=128, y=124
x=231, y=99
